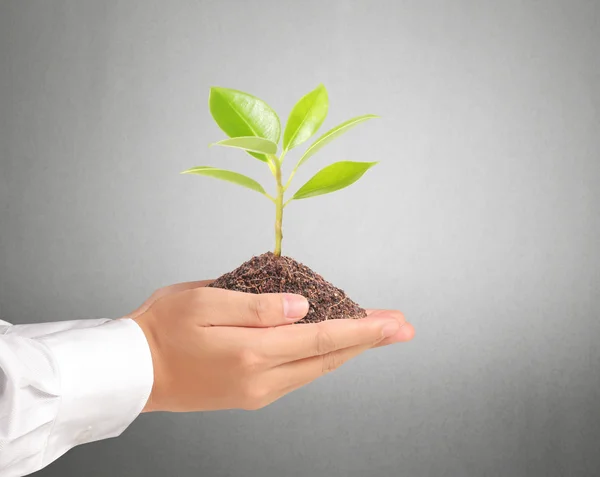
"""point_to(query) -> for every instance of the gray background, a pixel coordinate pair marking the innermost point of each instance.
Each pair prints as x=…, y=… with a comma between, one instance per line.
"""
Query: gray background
x=481, y=222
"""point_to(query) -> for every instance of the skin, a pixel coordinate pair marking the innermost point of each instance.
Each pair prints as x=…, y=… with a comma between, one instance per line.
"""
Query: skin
x=218, y=349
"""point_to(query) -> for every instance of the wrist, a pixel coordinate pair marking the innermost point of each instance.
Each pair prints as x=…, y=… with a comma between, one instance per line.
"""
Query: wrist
x=146, y=322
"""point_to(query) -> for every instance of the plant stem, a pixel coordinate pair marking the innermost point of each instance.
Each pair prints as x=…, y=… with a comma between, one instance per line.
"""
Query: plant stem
x=290, y=178
x=278, y=209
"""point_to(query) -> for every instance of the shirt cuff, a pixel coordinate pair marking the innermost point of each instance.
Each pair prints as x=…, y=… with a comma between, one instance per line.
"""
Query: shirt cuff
x=106, y=377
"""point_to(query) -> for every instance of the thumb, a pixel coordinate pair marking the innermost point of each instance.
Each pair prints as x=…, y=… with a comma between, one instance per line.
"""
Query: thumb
x=253, y=310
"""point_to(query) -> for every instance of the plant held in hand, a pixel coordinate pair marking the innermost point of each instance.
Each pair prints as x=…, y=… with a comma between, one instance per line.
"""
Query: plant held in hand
x=252, y=126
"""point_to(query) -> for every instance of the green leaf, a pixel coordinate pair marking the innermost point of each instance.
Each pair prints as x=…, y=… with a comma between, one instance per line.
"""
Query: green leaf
x=306, y=117
x=249, y=143
x=332, y=134
x=240, y=114
x=230, y=176
x=333, y=177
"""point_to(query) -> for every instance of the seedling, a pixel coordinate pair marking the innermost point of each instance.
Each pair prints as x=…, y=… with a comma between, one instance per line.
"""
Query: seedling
x=254, y=127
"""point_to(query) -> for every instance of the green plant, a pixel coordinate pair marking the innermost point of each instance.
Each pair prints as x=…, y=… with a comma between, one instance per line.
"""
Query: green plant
x=254, y=127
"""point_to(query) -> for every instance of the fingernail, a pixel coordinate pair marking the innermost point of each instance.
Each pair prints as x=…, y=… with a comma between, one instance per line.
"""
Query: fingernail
x=390, y=329
x=294, y=306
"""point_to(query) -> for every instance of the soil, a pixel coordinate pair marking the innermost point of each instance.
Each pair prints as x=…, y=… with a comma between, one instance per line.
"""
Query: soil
x=267, y=273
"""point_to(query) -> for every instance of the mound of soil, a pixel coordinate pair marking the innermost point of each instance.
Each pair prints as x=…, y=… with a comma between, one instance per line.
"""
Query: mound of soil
x=267, y=273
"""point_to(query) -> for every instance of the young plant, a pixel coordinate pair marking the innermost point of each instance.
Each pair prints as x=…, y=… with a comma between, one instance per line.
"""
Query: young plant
x=254, y=127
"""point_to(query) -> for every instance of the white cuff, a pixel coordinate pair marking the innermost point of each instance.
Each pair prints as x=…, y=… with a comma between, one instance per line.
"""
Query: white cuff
x=106, y=377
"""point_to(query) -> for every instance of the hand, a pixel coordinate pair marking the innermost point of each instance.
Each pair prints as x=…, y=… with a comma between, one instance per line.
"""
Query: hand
x=218, y=349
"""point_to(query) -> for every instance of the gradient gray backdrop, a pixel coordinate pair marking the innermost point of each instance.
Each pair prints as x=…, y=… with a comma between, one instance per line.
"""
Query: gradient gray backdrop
x=481, y=223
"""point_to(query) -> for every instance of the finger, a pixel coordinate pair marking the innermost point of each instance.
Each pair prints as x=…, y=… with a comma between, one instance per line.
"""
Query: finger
x=404, y=334
x=164, y=291
x=233, y=308
x=292, y=343
x=305, y=374
x=296, y=374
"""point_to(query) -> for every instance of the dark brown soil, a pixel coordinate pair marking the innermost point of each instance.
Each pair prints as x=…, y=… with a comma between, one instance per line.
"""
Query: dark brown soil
x=267, y=273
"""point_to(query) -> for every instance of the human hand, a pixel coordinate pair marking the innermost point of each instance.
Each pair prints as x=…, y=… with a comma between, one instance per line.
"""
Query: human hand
x=218, y=349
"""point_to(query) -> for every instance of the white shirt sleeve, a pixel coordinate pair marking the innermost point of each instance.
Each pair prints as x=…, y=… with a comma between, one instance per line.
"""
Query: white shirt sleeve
x=68, y=383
